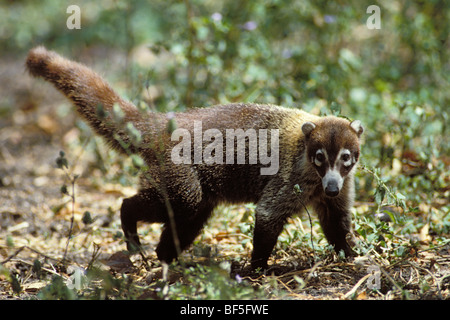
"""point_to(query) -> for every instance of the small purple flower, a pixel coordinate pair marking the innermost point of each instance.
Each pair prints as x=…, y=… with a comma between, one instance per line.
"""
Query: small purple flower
x=328, y=18
x=287, y=53
x=238, y=278
x=216, y=16
x=250, y=25
x=170, y=115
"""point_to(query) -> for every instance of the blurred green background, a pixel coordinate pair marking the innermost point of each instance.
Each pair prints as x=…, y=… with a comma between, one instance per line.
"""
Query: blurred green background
x=316, y=55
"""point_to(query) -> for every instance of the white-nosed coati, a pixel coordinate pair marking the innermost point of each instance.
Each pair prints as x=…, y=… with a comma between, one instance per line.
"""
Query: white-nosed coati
x=318, y=154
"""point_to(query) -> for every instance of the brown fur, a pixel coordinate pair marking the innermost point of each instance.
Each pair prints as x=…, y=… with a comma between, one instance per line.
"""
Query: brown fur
x=182, y=196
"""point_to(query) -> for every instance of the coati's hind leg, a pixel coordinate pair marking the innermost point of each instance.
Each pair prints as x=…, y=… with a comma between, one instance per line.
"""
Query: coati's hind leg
x=144, y=206
x=188, y=224
x=335, y=220
x=188, y=208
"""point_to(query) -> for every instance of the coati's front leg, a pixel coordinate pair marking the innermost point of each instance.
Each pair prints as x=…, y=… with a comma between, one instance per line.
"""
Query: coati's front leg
x=271, y=215
x=335, y=220
x=265, y=235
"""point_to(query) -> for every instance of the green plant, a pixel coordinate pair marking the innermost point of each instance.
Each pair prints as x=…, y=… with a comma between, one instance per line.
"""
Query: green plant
x=63, y=164
x=211, y=281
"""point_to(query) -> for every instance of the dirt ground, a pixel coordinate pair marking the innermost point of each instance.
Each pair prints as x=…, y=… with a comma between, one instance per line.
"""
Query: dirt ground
x=35, y=218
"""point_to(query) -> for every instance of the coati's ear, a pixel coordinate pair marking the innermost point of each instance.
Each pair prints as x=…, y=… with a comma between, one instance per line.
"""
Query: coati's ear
x=357, y=126
x=307, y=128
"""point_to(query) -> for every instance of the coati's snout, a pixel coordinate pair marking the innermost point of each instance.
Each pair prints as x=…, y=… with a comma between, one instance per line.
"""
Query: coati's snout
x=332, y=183
x=333, y=150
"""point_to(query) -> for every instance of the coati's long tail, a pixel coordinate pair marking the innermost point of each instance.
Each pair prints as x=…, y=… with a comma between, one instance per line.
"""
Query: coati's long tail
x=93, y=97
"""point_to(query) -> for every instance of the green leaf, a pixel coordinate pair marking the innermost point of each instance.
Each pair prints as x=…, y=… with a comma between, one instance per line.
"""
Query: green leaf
x=380, y=193
x=61, y=161
x=64, y=190
x=171, y=125
x=135, y=134
x=101, y=112
x=118, y=113
x=87, y=218
x=138, y=162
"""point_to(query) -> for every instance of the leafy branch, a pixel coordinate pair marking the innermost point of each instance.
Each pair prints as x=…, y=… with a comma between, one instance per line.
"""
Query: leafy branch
x=63, y=164
x=384, y=194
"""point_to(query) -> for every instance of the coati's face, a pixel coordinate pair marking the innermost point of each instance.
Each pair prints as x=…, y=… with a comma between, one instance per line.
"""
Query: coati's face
x=332, y=147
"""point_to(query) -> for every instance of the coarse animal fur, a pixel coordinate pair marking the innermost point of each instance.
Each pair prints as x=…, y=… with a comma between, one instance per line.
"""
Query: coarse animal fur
x=319, y=154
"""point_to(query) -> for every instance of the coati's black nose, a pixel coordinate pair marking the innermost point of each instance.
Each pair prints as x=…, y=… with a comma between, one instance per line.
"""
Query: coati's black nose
x=332, y=189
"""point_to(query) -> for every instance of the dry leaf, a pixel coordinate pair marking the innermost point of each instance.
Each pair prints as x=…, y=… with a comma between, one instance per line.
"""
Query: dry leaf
x=424, y=233
x=362, y=296
x=34, y=286
x=120, y=262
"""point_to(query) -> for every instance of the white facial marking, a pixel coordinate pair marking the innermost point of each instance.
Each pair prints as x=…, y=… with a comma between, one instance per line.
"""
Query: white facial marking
x=345, y=156
x=321, y=156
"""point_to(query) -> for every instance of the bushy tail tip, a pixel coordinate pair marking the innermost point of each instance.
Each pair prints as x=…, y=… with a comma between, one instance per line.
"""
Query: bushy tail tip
x=38, y=61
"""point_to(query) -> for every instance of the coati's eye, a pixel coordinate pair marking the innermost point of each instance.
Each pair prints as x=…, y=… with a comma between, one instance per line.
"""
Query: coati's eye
x=320, y=158
x=346, y=158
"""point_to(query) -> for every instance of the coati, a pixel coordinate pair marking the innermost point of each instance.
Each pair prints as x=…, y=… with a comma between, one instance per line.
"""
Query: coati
x=319, y=154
